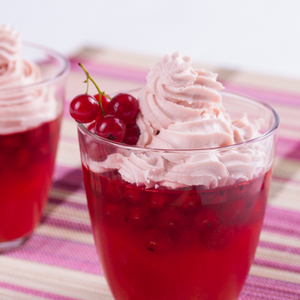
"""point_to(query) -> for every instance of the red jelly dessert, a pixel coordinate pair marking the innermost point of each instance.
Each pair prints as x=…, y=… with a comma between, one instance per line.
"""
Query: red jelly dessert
x=177, y=202
x=189, y=243
x=26, y=166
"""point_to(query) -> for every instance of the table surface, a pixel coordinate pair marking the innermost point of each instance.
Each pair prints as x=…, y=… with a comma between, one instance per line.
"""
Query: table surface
x=59, y=261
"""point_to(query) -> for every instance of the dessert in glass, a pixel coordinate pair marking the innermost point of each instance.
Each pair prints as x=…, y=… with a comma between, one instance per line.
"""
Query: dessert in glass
x=31, y=101
x=178, y=215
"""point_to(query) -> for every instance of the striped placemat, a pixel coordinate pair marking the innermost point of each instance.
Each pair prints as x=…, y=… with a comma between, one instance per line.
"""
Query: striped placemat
x=59, y=261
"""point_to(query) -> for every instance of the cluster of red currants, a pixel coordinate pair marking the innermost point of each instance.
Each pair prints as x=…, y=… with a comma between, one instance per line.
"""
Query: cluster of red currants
x=111, y=118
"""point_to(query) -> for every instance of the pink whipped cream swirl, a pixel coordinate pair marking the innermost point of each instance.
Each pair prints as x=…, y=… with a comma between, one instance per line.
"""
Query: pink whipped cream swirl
x=181, y=108
x=13, y=70
x=21, y=107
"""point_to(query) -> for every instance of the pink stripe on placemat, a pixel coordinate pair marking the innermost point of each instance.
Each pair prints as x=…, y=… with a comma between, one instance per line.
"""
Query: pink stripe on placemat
x=62, y=202
x=284, y=180
x=282, y=221
x=69, y=179
x=260, y=288
x=49, y=220
x=279, y=247
x=276, y=265
x=28, y=291
x=108, y=70
x=68, y=174
x=265, y=95
x=59, y=252
x=287, y=147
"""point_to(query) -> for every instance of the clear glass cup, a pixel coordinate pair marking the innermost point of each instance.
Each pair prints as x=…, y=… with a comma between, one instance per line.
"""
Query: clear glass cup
x=185, y=243
x=28, y=144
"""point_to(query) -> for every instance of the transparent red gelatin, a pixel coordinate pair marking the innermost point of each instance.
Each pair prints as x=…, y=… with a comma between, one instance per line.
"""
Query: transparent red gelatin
x=175, y=244
x=26, y=166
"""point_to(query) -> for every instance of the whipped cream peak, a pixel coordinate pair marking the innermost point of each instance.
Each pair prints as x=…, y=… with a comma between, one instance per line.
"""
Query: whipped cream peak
x=10, y=45
x=183, y=107
x=174, y=79
x=22, y=106
x=174, y=69
x=14, y=71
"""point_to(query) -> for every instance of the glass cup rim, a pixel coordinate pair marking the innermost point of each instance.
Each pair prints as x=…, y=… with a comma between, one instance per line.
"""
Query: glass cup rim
x=246, y=98
x=63, y=71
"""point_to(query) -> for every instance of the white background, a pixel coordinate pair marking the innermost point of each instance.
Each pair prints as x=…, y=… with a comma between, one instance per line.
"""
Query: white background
x=255, y=35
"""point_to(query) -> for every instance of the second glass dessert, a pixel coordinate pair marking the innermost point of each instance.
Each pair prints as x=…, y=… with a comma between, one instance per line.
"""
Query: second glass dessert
x=32, y=82
x=181, y=222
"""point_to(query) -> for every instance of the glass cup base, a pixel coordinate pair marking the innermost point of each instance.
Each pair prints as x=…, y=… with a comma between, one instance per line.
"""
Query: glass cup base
x=11, y=245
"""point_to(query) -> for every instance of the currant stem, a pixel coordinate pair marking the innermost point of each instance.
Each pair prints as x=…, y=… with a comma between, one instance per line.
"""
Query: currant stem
x=88, y=77
x=87, y=86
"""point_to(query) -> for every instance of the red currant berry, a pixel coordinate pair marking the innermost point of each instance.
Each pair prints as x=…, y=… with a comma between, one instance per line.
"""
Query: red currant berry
x=111, y=128
x=132, y=134
x=84, y=108
x=105, y=104
x=125, y=107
